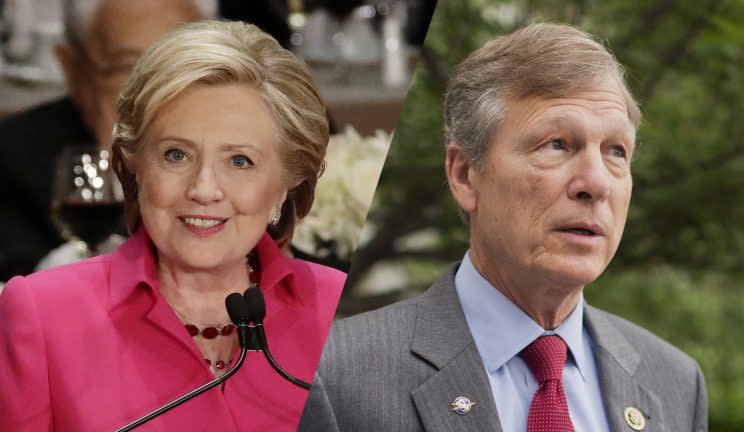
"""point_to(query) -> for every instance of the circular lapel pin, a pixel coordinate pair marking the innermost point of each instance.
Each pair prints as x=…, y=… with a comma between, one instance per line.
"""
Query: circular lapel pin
x=634, y=418
x=462, y=405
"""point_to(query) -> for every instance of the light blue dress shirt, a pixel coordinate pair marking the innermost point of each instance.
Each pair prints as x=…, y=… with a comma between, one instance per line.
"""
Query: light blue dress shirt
x=502, y=330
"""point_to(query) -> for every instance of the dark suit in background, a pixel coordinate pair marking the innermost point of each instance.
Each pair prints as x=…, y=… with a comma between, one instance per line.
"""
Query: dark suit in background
x=30, y=143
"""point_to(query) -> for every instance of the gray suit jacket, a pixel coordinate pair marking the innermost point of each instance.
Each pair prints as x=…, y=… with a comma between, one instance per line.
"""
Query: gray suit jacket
x=400, y=367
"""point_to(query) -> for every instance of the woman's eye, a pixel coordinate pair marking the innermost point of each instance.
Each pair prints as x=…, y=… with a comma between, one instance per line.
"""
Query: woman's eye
x=618, y=151
x=175, y=155
x=241, y=161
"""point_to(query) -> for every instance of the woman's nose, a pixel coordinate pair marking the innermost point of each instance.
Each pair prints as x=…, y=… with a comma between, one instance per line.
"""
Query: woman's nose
x=205, y=187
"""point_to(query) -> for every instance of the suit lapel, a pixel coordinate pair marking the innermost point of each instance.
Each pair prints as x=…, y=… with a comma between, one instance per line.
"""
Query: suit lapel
x=443, y=339
x=617, y=362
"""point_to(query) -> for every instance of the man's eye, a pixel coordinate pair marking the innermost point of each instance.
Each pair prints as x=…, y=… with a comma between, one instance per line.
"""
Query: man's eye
x=557, y=144
x=175, y=155
x=618, y=151
x=241, y=161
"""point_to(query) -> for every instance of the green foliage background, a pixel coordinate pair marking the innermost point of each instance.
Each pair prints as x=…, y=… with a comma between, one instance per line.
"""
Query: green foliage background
x=680, y=268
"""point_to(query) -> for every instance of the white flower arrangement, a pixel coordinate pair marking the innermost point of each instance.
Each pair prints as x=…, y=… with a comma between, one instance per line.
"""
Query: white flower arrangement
x=343, y=194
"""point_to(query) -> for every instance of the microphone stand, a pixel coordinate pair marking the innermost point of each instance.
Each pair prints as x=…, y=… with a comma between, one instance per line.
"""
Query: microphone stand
x=255, y=302
x=187, y=396
x=243, y=337
x=259, y=329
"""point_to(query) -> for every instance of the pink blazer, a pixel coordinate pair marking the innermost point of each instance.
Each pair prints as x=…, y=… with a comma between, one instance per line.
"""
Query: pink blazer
x=94, y=345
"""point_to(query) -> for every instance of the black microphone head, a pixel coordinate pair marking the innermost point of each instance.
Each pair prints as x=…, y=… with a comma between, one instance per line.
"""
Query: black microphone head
x=237, y=308
x=256, y=305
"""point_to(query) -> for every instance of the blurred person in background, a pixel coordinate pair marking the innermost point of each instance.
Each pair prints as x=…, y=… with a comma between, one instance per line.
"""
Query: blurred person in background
x=220, y=139
x=103, y=38
x=541, y=133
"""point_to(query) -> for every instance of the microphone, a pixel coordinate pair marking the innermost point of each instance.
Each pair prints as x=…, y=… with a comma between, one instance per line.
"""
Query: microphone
x=240, y=315
x=255, y=301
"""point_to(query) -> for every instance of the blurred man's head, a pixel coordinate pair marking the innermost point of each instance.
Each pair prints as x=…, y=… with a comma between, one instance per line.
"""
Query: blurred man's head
x=541, y=130
x=104, y=38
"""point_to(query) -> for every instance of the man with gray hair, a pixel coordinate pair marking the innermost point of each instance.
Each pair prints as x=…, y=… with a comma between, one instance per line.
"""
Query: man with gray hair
x=103, y=39
x=540, y=136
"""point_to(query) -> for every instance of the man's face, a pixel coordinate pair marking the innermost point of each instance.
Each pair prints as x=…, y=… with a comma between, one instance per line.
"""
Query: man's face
x=119, y=32
x=552, y=199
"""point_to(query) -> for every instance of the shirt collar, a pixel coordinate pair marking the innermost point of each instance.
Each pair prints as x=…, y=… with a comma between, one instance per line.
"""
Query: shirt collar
x=572, y=332
x=133, y=265
x=501, y=330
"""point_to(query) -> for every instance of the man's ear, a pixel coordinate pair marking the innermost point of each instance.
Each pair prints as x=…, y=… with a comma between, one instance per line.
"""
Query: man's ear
x=460, y=174
x=69, y=58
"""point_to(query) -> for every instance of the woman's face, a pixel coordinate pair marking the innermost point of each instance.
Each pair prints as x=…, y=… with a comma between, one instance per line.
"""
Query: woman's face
x=210, y=176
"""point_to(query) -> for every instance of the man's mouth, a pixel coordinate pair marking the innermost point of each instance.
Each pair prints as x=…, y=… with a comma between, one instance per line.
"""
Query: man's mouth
x=580, y=231
x=583, y=229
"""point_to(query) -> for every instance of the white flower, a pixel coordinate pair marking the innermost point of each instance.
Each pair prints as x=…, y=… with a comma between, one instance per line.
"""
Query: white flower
x=343, y=194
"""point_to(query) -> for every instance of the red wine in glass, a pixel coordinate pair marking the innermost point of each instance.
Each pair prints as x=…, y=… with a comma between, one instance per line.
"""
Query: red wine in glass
x=91, y=222
x=88, y=204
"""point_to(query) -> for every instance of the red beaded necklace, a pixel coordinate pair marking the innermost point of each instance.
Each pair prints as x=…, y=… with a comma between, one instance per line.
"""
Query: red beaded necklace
x=219, y=364
x=212, y=331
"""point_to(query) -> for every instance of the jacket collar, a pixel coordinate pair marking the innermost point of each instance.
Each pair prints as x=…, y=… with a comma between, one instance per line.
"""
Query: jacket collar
x=441, y=329
x=133, y=266
x=443, y=339
x=607, y=337
x=617, y=364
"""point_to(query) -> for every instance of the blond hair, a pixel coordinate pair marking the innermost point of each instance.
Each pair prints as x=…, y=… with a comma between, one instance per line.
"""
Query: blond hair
x=222, y=52
x=544, y=60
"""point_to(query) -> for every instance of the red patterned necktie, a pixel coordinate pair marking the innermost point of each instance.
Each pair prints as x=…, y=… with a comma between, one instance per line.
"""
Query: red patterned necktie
x=549, y=410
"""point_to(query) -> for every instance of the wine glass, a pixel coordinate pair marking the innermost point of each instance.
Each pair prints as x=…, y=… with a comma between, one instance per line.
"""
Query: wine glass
x=88, y=202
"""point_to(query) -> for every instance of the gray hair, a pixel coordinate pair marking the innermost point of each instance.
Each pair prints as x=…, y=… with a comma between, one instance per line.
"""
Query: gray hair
x=78, y=13
x=545, y=60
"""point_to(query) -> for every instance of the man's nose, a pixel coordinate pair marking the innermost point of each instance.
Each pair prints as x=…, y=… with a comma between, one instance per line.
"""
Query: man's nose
x=591, y=181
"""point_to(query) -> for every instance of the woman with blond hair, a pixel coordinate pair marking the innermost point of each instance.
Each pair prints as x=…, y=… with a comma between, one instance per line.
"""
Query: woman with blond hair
x=220, y=140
